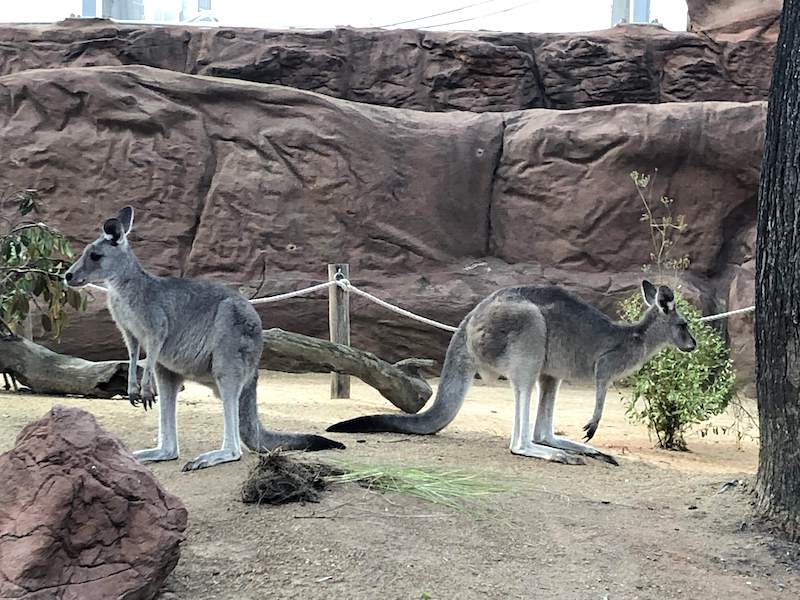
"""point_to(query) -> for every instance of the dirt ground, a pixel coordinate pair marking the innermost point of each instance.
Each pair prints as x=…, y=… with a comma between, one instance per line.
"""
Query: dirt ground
x=656, y=527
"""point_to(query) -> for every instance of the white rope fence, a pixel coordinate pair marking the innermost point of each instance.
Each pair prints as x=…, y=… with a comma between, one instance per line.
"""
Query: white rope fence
x=287, y=295
x=347, y=286
x=728, y=314
x=265, y=300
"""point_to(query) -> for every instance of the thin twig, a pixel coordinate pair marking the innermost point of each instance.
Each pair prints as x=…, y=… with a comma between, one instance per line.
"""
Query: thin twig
x=263, y=278
x=26, y=270
x=7, y=328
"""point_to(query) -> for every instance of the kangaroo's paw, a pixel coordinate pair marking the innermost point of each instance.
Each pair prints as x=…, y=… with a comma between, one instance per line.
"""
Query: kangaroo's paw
x=148, y=399
x=155, y=454
x=134, y=398
x=590, y=428
x=547, y=453
x=209, y=459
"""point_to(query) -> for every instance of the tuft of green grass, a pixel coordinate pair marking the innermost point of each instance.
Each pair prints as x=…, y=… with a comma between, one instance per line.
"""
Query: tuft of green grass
x=445, y=487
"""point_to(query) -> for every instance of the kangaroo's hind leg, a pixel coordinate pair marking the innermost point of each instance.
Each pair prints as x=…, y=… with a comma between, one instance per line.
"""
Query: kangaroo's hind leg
x=236, y=347
x=229, y=388
x=524, y=366
x=169, y=384
x=543, y=429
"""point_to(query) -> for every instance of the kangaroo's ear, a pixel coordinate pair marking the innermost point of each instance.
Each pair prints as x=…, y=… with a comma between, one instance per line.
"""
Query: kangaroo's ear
x=125, y=217
x=665, y=299
x=649, y=292
x=113, y=231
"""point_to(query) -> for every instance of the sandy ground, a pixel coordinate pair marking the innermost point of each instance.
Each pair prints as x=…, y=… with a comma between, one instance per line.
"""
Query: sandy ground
x=653, y=528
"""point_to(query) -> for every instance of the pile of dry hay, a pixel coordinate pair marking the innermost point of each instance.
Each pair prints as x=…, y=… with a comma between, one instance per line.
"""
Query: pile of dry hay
x=278, y=479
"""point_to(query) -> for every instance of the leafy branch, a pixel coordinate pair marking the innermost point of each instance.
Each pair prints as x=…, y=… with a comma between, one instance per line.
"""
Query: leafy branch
x=33, y=260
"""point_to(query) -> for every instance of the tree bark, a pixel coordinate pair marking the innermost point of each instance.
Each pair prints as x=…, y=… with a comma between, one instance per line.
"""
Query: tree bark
x=46, y=372
x=400, y=383
x=777, y=325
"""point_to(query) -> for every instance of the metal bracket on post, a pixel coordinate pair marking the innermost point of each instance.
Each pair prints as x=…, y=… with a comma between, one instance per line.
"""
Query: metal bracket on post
x=339, y=322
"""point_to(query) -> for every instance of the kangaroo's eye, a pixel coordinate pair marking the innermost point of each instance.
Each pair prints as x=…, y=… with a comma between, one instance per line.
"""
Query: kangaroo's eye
x=95, y=256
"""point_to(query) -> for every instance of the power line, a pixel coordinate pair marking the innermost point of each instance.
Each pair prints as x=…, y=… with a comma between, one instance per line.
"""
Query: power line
x=439, y=14
x=497, y=12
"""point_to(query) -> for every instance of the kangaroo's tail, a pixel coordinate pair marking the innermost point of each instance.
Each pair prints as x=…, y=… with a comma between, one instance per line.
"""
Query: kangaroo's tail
x=457, y=375
x=259, y=439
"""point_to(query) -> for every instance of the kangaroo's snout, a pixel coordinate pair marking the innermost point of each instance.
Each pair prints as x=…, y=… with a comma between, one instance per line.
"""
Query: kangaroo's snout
x=71, y=280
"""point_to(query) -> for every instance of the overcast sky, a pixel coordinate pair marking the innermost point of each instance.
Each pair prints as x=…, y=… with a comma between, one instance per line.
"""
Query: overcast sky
x=497, y=15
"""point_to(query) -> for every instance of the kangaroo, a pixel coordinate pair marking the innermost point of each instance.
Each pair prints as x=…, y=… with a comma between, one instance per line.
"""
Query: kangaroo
x=541, y=335
x=189, y=329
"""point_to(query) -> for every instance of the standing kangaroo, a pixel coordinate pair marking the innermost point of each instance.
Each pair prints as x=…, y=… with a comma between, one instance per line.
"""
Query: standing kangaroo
x=190, y=329
x=541, y=335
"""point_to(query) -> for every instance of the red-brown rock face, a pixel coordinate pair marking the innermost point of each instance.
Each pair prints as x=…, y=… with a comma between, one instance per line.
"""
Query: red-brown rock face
x=432, y=210
x=80, y=519
x=431, y=71
x=736, y=20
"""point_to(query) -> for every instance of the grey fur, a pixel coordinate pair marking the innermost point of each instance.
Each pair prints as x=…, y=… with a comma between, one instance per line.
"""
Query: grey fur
x=190, y=329
x=540, y=336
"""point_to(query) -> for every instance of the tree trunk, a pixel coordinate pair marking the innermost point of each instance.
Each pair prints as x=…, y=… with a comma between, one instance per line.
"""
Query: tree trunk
x=401, y=383
x=47, y=372
x=777, y=324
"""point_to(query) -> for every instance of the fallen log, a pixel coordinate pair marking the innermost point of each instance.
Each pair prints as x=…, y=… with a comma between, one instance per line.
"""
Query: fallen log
x=400, y=383
x=46, y=372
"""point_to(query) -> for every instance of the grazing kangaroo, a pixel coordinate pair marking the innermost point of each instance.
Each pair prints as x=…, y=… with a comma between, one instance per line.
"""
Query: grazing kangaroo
x=541, y=335
x=190, y=329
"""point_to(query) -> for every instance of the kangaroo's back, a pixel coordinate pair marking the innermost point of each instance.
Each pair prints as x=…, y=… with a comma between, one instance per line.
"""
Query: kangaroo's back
x=570, y=332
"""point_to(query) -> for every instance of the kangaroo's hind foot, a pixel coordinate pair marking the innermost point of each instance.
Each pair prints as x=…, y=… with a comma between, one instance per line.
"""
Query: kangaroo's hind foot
x=554, y=441
x=155, y=454
x=547, y=453
x=209, y=459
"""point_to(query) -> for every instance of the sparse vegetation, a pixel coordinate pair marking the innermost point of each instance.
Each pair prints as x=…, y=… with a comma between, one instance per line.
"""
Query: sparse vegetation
x=674, y=391
x=452, y=488
x=33, y=259
x=278, y=478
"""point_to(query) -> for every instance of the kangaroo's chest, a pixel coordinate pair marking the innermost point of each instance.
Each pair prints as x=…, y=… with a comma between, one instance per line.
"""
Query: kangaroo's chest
x=131, y=318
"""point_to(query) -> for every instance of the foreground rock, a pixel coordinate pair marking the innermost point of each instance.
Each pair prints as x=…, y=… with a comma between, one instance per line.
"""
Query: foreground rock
x=80, y=519
x=433, y=211
x=426, y=70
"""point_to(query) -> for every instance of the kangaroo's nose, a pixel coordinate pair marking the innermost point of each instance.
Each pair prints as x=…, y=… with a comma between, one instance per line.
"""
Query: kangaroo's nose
x=68, y=276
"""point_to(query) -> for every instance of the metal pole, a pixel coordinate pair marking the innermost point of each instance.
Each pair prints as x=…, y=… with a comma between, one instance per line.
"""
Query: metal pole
x=620, y=12
x=641, y=11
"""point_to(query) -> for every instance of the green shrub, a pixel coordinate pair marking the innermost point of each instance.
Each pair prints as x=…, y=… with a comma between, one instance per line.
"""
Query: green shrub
x=33, y=260
x=676, y=390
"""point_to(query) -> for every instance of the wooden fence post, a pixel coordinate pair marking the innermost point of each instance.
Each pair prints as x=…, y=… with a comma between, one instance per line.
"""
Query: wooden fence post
x=339, y=321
